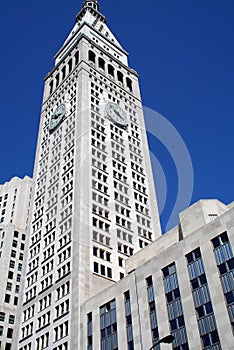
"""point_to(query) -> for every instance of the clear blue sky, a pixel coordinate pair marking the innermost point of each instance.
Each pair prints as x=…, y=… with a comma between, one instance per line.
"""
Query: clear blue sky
x=183, y=51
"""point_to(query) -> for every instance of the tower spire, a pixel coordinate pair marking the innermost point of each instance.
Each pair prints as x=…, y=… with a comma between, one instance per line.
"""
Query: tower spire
x=91, y=3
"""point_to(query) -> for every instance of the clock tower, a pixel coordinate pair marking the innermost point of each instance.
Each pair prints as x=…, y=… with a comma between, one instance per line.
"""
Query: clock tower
x=94, y=200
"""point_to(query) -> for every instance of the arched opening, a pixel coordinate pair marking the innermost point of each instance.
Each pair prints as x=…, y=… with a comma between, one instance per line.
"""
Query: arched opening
x=92, y=57
x=101, y=63
x=57, y=80
x=111, y=70
x=129, y=84
x=76, y=57
x=63, y=72
x=51, y=86
x=120, y=77
x=70, y=65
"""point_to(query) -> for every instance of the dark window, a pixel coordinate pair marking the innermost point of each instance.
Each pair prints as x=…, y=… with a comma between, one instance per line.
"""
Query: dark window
x=9, y=333
x=7, y=298
x=70, y=65
x=76, y=57
x=95, y=267
x=63, y=72
x=92, y=57
x=101, y=63
x=111, y=70
x=120, y=76
x=10, y=275
x=129, y=83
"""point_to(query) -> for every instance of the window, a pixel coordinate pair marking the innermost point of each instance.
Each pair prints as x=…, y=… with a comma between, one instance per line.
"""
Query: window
x=152, y=310
x=128, y=315
x=129, y=84
x=225, y=263
x=1, y=330
x=2, y=316
x=202, y=301
x=12, y=264
x=61, y=331
x=10, y=275
x=7, y=298
x=120, y=77
x=9, y=333
x=108, y=321
x=11, y=319
x=9, y=286
x=212, y=217
x=13, y=253
x=76, y=57
x=101, y=63
x=70, y=65
x=174, y=307
x=63, y=72
x=95, y=267
x=14, y=243
x=92, y=57
x=111, y=70
x=18, y=277
x=89, y=331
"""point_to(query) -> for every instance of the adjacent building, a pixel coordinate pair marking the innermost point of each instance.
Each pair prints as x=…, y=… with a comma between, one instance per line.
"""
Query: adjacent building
x=181, y=284
x=15, y=197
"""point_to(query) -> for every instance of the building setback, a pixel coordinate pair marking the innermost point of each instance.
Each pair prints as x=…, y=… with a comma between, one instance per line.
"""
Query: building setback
x=14, y=215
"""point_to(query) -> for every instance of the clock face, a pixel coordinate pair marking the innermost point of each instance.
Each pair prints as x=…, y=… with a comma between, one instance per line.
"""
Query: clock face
x=57, y=117
x=116, y=114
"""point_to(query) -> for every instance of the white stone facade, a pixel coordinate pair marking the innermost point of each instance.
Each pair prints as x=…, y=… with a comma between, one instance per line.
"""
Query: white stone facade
x=94, y=203
x=213, y=244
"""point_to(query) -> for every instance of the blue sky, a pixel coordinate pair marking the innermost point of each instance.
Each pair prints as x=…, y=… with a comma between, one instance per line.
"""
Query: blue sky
x=183, y=51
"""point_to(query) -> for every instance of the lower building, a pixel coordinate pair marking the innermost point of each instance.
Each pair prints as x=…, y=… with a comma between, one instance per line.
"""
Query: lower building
x=14, y=215
x=181, y=284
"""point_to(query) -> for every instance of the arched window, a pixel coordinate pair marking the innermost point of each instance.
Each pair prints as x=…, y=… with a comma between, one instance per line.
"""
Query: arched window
x=129, y=84
x=57, y=80
x=111, y=70
x=64, y=72
x=120, y=77
x=51, y=86
x=92, y=56
x=70, y=65
x=76, y=57
x=101, y=63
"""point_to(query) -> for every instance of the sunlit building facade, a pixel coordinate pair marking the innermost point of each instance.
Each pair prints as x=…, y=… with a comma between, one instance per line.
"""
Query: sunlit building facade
x=94, y=202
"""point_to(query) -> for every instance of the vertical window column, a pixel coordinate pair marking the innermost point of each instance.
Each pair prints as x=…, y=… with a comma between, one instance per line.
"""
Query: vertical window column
x=152, y=312
x=225, y=262
x=174, y=308
x=89, y=331
x=202, y=301
x=128, y=314
x=108, y=321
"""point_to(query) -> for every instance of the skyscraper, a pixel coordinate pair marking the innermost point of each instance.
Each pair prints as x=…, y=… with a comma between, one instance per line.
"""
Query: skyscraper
x=94, y=201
